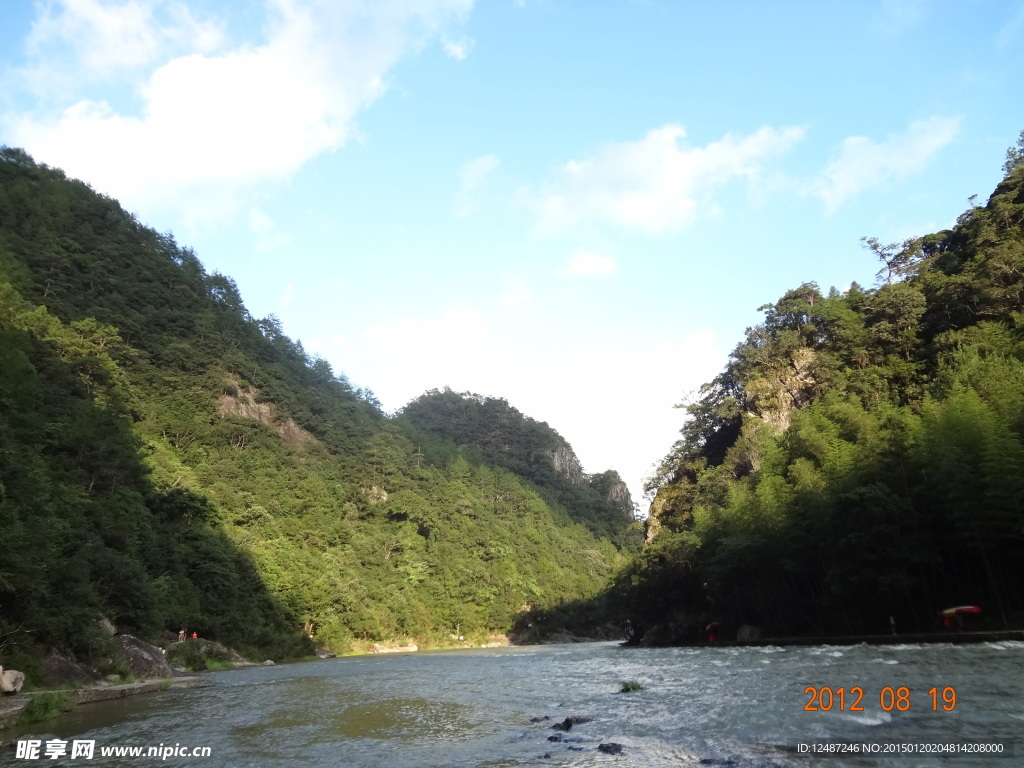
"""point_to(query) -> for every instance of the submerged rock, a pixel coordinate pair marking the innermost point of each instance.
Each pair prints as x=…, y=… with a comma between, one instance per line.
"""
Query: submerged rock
x=565, y=725
x=611, y=748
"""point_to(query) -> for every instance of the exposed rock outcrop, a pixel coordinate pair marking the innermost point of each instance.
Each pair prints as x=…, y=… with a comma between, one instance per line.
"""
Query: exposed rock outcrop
x=211, y=649
x=11, y=680
x=775, y=395
x=619, y=493
x=144, y=660
x=104, y=625
x=610, y=485
x=375, y=494
x=565, y=463
x=652, y=526
x=245, y=405
x=61, y=671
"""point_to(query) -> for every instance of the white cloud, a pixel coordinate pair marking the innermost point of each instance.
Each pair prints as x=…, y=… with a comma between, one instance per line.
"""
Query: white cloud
x=289, y=295
x=266, y=237
x=516, y=293
x=212, y=125
x=471, y=178
x=652, y=184
x=473, y=173
x=458, y=49
x=589, y=264
x=863, y=163
x=73, y=42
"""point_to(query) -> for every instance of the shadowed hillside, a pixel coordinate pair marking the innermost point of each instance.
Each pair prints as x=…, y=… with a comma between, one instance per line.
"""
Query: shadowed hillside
x=167, y=459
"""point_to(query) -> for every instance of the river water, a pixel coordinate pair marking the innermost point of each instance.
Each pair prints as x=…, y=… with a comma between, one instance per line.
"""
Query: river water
x=472, y=708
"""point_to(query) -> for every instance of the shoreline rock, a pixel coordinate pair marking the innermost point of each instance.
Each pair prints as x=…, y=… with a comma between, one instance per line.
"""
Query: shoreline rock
x=145, y=661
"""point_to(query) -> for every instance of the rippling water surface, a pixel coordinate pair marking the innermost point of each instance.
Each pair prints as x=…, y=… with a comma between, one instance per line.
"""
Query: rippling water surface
x=702, y=706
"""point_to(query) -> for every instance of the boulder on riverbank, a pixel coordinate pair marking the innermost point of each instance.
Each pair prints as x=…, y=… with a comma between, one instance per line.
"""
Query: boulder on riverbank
x=659, y=634
x=324, y=653
x=60, y=671
x=749, y=632
x=211, y=649
x=11, y=680
x=144, y=660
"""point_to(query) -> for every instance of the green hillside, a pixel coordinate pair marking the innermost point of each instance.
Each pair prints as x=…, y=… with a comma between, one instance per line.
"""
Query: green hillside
x=501, y=435
x=862, y=453
x=168, y=460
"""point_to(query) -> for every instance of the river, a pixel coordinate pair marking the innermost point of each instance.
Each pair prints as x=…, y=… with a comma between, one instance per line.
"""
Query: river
x=726, y=706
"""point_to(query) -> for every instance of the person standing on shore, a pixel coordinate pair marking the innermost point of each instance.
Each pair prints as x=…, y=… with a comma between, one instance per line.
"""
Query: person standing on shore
x=892, y=624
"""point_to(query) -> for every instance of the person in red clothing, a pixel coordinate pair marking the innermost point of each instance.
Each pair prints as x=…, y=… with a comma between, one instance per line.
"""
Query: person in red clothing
x=712, y=630
x=195, y=635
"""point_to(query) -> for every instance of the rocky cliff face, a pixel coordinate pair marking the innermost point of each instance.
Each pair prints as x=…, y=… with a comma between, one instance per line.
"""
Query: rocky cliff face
x=244, y=404
x=612, y=488
x=779, y=392
x=619, y=493
x=566, y=463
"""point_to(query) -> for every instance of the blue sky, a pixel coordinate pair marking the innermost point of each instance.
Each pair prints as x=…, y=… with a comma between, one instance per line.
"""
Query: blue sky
x=577, y=206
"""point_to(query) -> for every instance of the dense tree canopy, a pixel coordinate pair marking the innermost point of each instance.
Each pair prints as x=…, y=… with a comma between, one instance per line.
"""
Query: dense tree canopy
x=504, y=437
x=862, y=453
x=167, y=459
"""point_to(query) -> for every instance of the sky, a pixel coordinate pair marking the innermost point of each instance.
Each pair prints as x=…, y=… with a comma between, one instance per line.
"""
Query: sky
x=576, y=205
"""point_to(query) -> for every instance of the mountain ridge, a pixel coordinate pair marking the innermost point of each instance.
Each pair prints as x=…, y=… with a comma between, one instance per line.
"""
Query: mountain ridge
x=196, y=467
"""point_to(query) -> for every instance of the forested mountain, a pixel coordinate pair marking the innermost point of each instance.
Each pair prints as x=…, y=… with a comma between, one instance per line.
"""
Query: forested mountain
x=168, y=460
x=862, y=453
x=503, y=436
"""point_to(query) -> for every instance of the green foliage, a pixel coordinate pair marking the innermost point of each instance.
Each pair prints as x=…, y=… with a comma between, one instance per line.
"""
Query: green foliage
x=170, y=461
x=862, y=453
x=632, y=685
x=43, y=707
x=490, y=430
x=193, y=656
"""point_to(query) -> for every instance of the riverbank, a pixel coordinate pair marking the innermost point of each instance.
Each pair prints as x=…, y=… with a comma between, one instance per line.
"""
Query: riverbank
x=955, y=638
x=11, y=707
